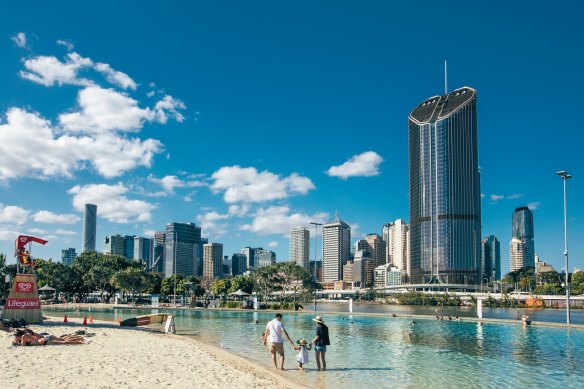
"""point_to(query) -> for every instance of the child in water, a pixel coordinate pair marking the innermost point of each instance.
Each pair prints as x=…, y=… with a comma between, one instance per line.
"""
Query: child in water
x=302, y=356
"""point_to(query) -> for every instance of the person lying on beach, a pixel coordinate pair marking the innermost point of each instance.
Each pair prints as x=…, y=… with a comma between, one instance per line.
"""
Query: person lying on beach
x=302, y=357
x=27, y=339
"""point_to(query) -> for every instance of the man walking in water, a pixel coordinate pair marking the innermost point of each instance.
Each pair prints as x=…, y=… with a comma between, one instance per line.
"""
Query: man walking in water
x=273, y=335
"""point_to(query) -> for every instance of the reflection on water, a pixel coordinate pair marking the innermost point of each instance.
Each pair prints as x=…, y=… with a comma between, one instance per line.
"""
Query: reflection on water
x=391, y=352
x=551, y=315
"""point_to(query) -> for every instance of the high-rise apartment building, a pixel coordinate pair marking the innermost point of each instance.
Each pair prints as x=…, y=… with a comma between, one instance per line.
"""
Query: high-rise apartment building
x=377, y=247
x=68, y=256
x=522, y=229
x=143, y=249
x=491, y=254
x=300, y=246
x=336, y=235
x=396, y=234
x=445, y=196
x=89, y=227
x=517, y=254
x=212, y=260
x=181, y=249
x=238, y=264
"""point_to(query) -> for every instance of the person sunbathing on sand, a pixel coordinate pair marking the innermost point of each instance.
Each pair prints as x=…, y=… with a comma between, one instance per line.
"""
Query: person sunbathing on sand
x=26, y=338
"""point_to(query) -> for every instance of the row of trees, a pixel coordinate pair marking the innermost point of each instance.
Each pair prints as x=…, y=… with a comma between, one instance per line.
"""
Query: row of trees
x=543, y=283
x=93, y=272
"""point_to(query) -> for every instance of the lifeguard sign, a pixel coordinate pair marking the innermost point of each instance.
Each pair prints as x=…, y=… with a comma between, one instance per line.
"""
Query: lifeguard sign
x=23, y=301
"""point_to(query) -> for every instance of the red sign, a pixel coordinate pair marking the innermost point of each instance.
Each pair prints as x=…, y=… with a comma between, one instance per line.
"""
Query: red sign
x=24, y=287
x=12, y=303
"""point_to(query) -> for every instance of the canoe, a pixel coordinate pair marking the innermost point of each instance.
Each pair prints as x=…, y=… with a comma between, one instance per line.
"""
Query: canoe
x=144, y=320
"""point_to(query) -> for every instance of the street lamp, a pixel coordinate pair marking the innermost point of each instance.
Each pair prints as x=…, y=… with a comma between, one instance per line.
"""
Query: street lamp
x=565, y=176
x=316, y=224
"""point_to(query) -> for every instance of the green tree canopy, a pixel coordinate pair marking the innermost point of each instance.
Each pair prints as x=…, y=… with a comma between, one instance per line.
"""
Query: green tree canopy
x=245, y=283
x=133, y=280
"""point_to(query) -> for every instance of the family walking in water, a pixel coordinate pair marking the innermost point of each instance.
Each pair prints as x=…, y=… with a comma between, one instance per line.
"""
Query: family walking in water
x=274, y=336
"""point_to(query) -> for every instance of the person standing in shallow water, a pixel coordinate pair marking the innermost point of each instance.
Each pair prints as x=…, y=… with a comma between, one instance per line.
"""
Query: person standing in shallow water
x=273, y=334
x=320, y=342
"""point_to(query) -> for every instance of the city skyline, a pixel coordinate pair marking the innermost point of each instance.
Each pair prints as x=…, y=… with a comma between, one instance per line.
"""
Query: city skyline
x=298, y=105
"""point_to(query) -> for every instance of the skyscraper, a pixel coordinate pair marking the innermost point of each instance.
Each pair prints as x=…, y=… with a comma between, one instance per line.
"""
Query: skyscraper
x=396, y=234
x=300, y=246
x=89, y=227
x=335, y=249
x=522, y=229
x=491, y=254
x=249, y=253
x=212, y=260
x=114, y=245
x=445, y=196
x=68, y=256
x=517, y=254
x=181, y=249
x=143, y=249
x=157, y=262
x=377, y=247
x=238, y=264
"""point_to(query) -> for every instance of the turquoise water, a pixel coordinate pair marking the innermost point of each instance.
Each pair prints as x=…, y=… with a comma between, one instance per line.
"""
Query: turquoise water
x=388, y=352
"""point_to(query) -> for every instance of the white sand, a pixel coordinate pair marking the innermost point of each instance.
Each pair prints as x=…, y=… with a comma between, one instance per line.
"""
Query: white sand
x=127, y=358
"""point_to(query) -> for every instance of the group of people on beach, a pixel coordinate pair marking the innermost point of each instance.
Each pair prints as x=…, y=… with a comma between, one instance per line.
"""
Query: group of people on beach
x=274, y=335
x=27, y=337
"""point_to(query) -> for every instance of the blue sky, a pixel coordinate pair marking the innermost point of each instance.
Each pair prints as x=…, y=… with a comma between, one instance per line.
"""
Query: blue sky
x=231, y=115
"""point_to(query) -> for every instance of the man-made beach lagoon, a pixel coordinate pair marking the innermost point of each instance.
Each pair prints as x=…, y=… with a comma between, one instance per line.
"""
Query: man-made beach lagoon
x=386, y=351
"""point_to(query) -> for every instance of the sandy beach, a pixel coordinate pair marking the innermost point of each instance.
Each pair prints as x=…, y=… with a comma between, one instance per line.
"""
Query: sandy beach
x=127, y=358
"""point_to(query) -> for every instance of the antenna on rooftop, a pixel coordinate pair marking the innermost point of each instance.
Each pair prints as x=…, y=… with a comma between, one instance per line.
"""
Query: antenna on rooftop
x=445, y=77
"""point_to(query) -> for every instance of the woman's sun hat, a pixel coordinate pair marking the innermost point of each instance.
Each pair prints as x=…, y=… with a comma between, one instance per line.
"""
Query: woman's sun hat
x=318, y=319
x=302, y=341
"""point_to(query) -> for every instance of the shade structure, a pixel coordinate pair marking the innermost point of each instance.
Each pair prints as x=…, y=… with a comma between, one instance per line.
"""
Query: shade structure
x=239, y=293
x=47, y=288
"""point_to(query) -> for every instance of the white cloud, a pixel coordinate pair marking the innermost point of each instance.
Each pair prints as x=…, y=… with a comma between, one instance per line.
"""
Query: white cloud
x=39, y=231
x=169, y=106
x=362, y=165
x=148, y=233
x=278, y=220
x=211, y=223
x=65, y=232
x=13, y=214
x=26, y=133
x=273, y=244
x=533, y=206
x=495, y=197
x=50, y=217
x=19, y=39
x=7, y=233
x=514, y=196
x=238, y=210
x=247, y=185
x=103, y=110
x=112, y=204
x=115, y=77
x=169, y=183
x=68, y=45
x=48, y=70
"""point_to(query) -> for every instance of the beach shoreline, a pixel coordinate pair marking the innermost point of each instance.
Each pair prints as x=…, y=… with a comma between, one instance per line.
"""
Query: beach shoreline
x=86, y=307
x=130, y=358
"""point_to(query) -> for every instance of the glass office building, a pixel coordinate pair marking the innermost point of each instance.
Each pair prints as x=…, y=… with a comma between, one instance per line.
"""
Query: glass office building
x=445, y=196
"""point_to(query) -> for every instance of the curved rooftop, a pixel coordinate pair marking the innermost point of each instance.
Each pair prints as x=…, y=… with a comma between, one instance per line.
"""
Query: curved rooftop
x=440, y=107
